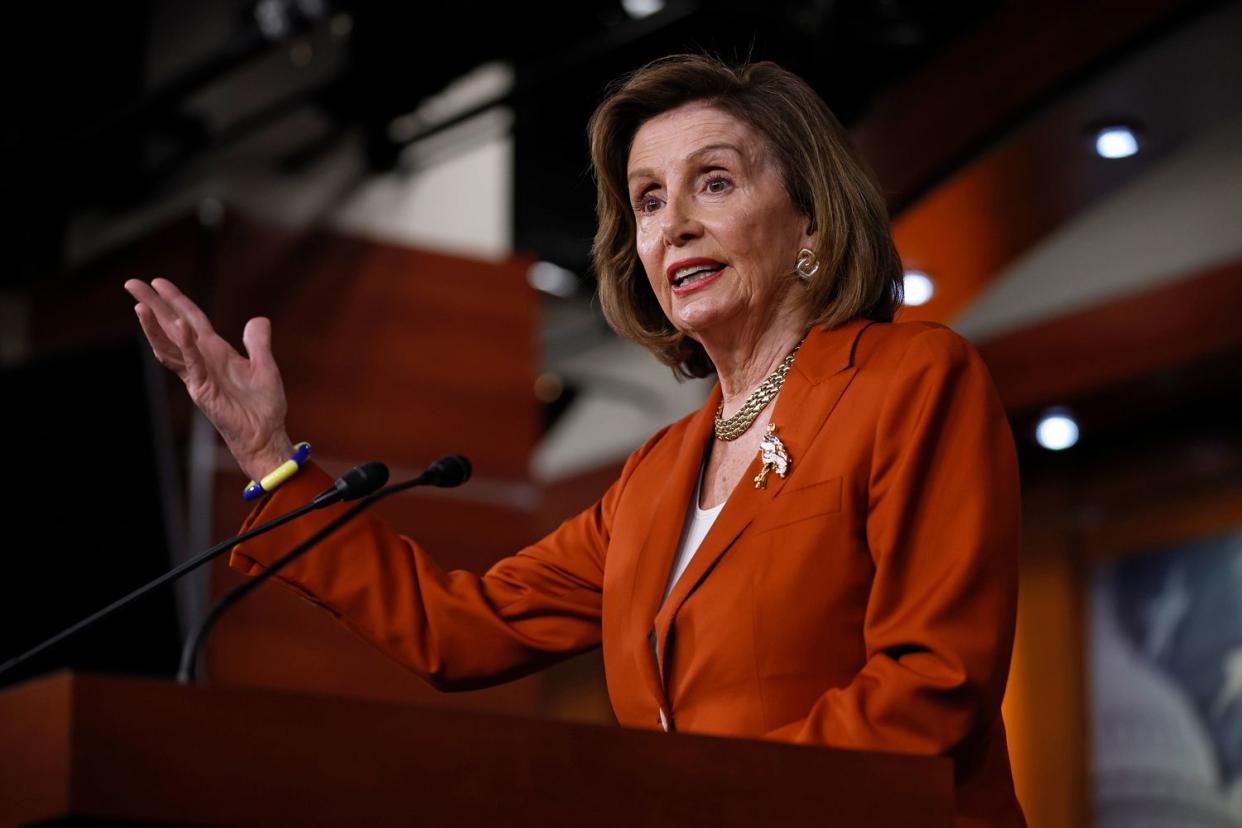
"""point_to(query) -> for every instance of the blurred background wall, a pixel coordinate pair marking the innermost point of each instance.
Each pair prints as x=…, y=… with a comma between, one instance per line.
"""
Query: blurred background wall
x=404, y=190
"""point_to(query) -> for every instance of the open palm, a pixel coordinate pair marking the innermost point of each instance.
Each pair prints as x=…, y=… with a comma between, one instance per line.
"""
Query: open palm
x=242, y=396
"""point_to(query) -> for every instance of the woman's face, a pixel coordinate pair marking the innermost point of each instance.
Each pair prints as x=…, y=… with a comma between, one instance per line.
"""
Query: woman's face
x=716, y=231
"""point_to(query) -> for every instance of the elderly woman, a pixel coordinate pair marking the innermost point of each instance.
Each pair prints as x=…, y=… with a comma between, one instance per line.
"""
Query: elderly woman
x=825, y=552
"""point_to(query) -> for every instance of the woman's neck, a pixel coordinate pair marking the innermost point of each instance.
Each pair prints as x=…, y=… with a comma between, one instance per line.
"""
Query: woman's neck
x=744, y=360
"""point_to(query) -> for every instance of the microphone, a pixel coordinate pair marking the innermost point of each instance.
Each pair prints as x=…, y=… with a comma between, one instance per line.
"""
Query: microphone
x=446, y=473
x=358, y=482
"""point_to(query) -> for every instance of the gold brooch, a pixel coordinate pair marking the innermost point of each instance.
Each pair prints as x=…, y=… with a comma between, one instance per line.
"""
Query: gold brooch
x=773, y=456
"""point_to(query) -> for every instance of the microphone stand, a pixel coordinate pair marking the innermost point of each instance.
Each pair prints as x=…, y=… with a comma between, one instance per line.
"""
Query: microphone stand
x=446, y=472
x=349, y=486
x=171, y=575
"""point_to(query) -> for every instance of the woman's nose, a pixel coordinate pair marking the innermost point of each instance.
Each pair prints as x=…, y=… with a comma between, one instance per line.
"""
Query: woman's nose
x=680, y=222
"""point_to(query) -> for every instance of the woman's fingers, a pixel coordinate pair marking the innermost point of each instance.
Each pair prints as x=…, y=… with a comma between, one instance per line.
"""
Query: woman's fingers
x=183, y=306
x=165, y=350
x=171, y=336
x=195, y=367
x=169, y=304
x=257, y=337
x=164, y=313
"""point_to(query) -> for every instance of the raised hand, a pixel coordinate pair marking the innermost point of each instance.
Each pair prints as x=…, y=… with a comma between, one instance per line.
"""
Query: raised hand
x=242, y=396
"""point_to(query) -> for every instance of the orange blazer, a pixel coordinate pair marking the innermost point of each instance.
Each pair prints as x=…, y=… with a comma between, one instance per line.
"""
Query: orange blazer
x=867, y=600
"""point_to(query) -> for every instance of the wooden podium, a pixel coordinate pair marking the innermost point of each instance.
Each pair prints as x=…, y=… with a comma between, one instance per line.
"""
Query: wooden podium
x=85, y=749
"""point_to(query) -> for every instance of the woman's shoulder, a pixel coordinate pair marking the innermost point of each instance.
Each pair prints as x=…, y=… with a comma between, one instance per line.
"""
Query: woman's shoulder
x=663, y=446
x=904, y=361
x=912, y=342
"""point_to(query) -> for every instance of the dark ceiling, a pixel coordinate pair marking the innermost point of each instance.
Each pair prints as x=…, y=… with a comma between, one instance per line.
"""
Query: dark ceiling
x=101, y=110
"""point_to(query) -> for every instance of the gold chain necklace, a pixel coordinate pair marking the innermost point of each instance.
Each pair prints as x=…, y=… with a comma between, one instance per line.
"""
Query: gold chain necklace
x=758, y=400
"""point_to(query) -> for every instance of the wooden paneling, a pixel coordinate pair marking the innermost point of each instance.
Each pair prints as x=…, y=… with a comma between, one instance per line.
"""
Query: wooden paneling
x=146, y=752
x=1045, y=707
x=400, y=354
x=1139, y=335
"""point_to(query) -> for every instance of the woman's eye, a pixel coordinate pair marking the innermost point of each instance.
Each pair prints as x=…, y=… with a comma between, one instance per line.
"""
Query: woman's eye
x=717, y=185
x=648, y=204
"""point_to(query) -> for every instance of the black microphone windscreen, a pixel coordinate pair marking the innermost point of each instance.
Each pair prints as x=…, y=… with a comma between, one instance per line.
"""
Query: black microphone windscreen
x=449, y=471
x=362, y=480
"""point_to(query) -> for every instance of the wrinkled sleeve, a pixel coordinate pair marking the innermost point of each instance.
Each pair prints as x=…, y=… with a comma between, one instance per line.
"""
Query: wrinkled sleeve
x=942, y=525
x=456, y=629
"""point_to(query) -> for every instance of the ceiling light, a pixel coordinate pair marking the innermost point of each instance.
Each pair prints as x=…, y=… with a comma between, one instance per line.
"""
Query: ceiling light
x=639, y=9
x=919, y=287
x=1116, y=142
x=549, y=387
x=272, y=18
x=552, y=279
x=1057, y=430
x=312, y=9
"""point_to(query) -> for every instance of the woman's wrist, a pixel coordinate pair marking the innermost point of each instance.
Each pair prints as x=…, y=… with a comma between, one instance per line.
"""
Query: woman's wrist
x=257, y=464
x=277, y=477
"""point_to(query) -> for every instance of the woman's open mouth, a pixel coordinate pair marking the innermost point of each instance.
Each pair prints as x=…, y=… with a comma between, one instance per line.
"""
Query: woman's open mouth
x=690, y=276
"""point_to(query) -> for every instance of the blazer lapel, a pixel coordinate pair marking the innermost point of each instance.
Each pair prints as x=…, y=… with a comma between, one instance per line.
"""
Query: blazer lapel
x=655, y=557
x=820, y=375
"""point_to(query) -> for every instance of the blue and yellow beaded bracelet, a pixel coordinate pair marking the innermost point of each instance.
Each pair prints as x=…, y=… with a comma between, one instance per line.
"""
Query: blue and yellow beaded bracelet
x=301, y=452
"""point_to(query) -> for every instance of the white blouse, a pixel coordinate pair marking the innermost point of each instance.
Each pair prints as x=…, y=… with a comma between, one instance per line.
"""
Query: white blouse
x=698, y=522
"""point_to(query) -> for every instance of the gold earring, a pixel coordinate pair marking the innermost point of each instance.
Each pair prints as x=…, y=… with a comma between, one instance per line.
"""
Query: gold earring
x=807, y=264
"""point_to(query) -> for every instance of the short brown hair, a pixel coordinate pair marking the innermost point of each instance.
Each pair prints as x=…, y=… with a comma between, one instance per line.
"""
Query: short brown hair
x=860, y=272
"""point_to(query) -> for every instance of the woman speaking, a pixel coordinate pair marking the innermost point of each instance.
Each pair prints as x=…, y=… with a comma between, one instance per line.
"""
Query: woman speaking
x=825, y=552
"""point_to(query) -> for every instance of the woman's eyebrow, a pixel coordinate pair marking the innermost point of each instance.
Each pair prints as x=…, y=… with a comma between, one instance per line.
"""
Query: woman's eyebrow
x=707, y=149
x=710, y=148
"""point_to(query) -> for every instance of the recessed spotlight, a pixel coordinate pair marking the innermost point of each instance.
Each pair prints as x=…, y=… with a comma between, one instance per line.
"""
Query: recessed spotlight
x=919, y=287
x=312, y=9
x=638, y=9
x=549, y=387
x=1116, y=142
x=272, y=18
x=552, y=279
x=1057, y=430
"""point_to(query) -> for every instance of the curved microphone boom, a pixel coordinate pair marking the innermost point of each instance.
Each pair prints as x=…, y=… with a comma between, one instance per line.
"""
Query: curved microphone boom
x=359, y=481
x=446, y=473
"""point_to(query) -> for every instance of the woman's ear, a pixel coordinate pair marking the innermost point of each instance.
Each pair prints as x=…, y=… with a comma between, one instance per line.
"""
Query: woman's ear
x=808, y=239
